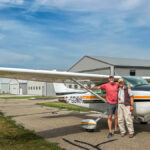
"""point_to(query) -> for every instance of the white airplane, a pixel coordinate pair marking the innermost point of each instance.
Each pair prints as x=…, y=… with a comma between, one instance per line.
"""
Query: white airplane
x=61, y=89
x=89, y=99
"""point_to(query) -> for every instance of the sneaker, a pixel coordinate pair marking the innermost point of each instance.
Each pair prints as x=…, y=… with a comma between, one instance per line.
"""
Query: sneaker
x=131, y=135
x=117, y=132
x=122, y=134
x=109, y=135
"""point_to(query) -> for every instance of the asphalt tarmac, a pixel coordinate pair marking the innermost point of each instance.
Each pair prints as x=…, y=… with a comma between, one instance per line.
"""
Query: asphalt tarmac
x=63, y=127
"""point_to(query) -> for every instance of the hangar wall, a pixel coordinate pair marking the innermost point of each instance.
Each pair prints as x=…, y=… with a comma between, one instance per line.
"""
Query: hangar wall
x=14, y=86
x=4, y=88
x=18, y=87
x=40, y=88
x=105, y=72
x=23, y=88
x=87, y=64
x=138, y=71
x=35, y=88
x=95, y=66
x=49, y=89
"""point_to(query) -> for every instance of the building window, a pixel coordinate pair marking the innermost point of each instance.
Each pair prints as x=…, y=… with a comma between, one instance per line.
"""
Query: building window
x=39, y=88
x=75, y=86
x=36, y=88
x=70, y=86
x=31, y=87
x=132, y=73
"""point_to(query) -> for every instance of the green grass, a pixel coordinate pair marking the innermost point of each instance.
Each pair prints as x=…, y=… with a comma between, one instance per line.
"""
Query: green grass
x=61, y=105
x=15, y=137
x=23, y=97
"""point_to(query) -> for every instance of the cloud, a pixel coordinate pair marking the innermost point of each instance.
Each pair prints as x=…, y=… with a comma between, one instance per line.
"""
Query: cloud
x=12, y=58
x=88, y=5
x=19, y=34
x=10, y=3
x=14, y=2
x=8, y=25
x=130, y=4
x=47, y=32
x=138, y=8
x=2, y=36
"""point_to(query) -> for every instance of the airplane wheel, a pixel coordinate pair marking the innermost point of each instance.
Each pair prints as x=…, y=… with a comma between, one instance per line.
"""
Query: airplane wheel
x=90, y=130
x=143, y=122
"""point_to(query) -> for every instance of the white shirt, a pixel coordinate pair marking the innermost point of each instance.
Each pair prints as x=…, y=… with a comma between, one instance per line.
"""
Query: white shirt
x=121, y=95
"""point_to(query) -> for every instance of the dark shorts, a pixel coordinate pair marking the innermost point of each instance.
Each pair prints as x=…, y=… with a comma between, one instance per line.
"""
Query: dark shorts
x=112, y=109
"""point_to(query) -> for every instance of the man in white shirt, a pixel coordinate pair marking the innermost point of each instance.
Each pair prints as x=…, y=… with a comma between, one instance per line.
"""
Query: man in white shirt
x=125, y=106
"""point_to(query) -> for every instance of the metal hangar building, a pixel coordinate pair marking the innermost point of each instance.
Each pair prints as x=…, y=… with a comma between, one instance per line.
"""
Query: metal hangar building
x=112, y=66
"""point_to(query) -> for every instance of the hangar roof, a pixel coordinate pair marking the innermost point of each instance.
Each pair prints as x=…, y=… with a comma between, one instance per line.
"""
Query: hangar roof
x=122, y=61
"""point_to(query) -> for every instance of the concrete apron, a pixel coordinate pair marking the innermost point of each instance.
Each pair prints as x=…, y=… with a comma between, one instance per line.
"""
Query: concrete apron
x=64, y=128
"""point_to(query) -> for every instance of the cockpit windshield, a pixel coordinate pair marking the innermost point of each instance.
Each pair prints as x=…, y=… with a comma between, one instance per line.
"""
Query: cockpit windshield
x=134, y=81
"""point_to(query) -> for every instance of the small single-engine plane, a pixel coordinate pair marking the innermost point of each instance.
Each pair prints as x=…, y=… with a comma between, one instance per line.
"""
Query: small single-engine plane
x=94, y=100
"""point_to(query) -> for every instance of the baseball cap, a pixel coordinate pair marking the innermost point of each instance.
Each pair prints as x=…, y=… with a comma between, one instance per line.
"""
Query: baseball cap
x=121, y=80
x=111, y=76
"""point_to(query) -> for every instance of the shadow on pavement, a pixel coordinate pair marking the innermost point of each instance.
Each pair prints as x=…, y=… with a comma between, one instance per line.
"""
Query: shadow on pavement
x=96, y=147
x=1, y=113
x=71, y=114
x=63, y=131
x=141, y=128
x=57, y=132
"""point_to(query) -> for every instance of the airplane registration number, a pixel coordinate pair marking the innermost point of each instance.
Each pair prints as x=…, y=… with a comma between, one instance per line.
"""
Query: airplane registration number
x=74, y=99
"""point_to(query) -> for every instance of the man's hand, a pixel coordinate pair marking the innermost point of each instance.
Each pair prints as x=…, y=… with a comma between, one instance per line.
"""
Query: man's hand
x=87, y=87
x=128, y=86
x=131, y=108
x=95, y=88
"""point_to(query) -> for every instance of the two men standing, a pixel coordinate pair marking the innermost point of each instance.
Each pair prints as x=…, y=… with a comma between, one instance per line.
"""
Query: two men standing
x=116, y=91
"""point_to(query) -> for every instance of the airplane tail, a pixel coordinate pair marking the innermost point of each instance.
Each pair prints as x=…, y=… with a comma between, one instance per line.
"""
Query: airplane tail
x=60, y=89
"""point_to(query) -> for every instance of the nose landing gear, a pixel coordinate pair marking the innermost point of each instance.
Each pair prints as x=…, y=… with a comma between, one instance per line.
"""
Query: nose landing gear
x=90, y=124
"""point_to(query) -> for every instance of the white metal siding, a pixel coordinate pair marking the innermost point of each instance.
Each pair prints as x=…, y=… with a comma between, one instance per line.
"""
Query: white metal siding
x=14, y=87
x=40, y=88
x=126, y=71
x=35, y=88
x=88, y=64
x=23, y=86
x=4, y=88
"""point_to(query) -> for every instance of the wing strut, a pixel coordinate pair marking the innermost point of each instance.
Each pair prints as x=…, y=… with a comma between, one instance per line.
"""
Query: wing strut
x=98, y=96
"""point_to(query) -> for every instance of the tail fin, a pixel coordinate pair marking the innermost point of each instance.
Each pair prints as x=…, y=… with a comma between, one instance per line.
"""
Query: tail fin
x=60, y=88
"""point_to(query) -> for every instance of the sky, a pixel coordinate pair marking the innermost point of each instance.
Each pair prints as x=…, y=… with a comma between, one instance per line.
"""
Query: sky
x=48, y=34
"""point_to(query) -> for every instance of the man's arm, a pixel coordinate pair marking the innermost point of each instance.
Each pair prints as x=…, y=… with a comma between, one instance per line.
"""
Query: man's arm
x=95, y=88
x=132, y=100
x=99, y=87
x=132, y=103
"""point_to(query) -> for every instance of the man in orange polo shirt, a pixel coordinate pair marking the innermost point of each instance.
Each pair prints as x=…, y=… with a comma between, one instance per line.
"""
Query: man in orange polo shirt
x=112, y=106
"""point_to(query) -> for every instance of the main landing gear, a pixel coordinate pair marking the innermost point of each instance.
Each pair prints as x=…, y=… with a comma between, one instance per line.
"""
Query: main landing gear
x=141, y=120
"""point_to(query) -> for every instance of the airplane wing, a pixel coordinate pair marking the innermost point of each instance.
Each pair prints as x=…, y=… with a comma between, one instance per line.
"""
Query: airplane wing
x=49, y=76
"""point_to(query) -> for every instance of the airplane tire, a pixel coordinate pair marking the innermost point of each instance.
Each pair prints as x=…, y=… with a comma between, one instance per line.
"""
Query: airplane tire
x=90, y=130
x=145, y=122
